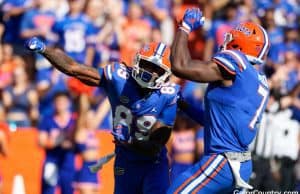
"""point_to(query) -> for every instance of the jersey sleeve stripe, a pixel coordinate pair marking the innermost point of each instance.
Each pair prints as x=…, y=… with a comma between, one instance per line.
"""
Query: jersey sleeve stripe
x=109, y=73
x=105, y=72
x=102, y=72
x=238, y=58
x=113, y=67
x=225, y=64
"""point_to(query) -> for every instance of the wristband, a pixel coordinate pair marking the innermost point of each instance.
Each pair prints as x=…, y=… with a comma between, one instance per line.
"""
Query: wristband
x=185, y=27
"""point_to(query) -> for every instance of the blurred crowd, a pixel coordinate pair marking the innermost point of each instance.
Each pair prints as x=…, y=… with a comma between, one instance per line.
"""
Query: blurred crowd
x=97, y=32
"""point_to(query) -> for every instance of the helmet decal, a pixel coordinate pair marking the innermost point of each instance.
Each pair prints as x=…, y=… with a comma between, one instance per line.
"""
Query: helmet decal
x=243, y=29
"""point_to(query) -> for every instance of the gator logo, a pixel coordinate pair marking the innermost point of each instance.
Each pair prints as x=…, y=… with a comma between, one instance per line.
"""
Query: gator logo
x=243, y=29
x=119, y=171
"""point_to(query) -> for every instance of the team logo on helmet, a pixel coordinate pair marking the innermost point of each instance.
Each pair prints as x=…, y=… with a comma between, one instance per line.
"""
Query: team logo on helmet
x=243, y=29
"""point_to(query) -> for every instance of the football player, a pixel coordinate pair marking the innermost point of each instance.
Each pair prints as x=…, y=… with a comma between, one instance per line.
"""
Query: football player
x=234, y=101
x=144, y=107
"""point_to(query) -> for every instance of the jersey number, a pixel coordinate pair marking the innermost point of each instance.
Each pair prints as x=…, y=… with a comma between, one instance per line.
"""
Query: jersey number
x=264, y=93
x=124, y=117
x=74, y=41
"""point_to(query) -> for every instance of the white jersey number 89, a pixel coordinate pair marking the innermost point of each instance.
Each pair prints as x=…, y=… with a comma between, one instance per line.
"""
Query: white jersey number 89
x=123, y=116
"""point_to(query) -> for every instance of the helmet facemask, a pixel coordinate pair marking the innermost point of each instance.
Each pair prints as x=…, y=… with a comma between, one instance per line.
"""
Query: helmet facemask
x=227, y=39
x=150, y=72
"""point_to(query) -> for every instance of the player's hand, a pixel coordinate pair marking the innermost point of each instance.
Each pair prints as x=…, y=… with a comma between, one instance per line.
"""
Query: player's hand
x=192, y=20
x=36, y=45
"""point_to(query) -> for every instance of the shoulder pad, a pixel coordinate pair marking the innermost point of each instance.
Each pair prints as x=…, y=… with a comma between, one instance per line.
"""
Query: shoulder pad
x=231, y=60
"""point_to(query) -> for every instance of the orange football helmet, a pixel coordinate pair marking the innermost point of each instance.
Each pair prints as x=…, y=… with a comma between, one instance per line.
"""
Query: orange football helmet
x=251, y=39
x=152, y=67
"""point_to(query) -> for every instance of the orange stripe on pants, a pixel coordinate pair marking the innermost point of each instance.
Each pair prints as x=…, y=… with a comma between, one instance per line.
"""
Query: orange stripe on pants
x=208, y=162
x=209, y=178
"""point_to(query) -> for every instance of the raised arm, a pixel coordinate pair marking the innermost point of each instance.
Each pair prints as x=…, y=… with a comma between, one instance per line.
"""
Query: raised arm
x=183, y=65
x=64, y=63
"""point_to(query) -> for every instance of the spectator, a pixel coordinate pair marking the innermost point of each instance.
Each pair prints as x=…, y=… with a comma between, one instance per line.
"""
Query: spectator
x=197, y=39
x=39, y=22
x=60, y=7
x=218, y=29
x=183, y=150
x=102, y=108
x=285, y=148
x=107, y=29
x=275, y=33
x=246, y=11
x=49, y=82
x=87, y=146
x=95, y=11
x=13, y=11
x=158, y=14
x=73, y=31
x=287, y=74
x=20, y=99
x=156, y=35
x=110, y=37
x=137, y=32
x=290, y=44
x=56, y=134
x=284, y=12
x=7, y=66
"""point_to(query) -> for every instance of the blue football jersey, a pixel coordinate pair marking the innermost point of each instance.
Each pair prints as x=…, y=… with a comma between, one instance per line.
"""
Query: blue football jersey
x=232, y=114
x=36, y=20
x=133, y=113
x=63, y=157
x=73, y=34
